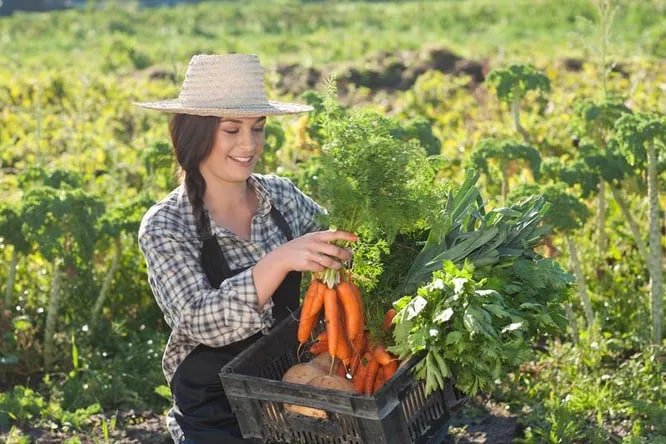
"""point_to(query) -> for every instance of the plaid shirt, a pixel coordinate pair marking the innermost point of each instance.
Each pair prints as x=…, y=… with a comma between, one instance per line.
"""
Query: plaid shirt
x=196, y=312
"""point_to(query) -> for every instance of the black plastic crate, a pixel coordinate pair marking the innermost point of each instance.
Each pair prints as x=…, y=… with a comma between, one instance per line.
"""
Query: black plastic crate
x=398, y=413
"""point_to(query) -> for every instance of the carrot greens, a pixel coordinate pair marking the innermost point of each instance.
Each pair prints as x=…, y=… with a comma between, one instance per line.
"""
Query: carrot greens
x=371, y=182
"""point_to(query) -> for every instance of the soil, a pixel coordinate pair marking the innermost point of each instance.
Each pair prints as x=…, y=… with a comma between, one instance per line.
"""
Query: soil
x=483, y=421
x=479, y=421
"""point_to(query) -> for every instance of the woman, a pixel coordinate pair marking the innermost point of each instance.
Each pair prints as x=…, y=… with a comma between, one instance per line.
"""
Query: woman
x=226, y=248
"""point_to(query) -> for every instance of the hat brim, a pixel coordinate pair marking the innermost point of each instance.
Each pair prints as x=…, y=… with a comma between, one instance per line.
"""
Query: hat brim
x=272, y=108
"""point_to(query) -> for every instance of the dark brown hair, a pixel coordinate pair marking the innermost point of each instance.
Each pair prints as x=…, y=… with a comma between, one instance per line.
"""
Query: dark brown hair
x=193, y=138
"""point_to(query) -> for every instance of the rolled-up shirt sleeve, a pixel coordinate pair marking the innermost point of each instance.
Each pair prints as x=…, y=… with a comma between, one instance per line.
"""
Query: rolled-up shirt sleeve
x=210, y=316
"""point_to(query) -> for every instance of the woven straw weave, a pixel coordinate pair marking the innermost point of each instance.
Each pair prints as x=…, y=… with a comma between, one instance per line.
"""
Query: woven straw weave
x=228, y=85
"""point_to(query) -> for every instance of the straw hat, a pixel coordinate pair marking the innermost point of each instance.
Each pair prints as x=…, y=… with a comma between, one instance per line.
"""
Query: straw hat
x=228, y=85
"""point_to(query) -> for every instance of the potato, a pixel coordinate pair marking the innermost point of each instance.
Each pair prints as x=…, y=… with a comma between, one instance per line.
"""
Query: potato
x=306, y=411
x=323, y=360
x=333, y=382
x=302, y=373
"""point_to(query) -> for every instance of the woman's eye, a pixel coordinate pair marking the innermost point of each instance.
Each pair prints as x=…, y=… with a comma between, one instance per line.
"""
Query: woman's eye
x=230, y=131
x=259, y=130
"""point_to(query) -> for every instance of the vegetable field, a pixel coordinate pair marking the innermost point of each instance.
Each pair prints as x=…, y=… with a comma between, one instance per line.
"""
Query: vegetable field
x=501, y=161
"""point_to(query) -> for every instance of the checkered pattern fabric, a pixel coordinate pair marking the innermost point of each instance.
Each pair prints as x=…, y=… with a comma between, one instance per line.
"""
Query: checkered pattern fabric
x=196, y=312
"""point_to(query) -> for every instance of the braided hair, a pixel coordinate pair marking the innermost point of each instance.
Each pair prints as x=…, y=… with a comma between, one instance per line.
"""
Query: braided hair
x=193, y=138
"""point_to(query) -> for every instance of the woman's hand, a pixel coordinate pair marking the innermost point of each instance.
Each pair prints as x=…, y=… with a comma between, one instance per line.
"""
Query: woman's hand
x=314, y=251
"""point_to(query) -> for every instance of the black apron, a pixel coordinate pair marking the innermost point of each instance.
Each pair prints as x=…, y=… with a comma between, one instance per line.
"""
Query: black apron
x=202, y=409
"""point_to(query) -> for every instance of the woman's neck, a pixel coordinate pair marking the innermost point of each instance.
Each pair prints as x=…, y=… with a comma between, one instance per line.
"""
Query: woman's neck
x=226, y=197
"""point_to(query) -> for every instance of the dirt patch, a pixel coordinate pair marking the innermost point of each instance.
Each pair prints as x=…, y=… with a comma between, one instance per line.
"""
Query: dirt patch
x=129, y=428
x=483, y=421
x=479, y=421
x=381, y=71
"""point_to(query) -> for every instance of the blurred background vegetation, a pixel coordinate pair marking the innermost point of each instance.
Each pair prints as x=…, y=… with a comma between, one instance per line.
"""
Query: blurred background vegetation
x=81, y=337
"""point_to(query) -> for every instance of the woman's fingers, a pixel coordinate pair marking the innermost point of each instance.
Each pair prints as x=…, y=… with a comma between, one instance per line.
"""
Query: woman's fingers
x=334, y=251
x=333, y=235
x=326, y=261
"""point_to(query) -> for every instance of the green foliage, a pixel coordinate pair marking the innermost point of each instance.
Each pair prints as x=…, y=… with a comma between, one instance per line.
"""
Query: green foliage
x=159, y=163
x=53, y=178
x=420, y=128
x=513, y=83
x=10, y=226
x=124, y=217
x=275, y=140
x=504, y=151
x=635, y=131
x=122, y=373
x=464, y=329
x=597, y=119
x=589, y=392
x=573, y=173
x=369, y=178
x=463, y=231
x=610, y=164
x=61, y=222
x=567, y=212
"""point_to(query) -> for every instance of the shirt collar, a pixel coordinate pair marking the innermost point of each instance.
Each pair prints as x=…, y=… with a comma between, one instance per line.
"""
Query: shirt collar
x=264, y=206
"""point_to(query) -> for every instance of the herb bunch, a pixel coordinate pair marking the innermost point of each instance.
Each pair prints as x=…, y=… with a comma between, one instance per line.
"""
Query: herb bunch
x=478, y=293
x=465, y=329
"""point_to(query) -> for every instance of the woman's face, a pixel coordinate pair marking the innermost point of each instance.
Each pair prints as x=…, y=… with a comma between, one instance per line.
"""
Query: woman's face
x=239, y=142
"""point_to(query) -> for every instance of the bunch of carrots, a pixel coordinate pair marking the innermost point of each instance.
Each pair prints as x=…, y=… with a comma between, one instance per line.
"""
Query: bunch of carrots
x=345, y=338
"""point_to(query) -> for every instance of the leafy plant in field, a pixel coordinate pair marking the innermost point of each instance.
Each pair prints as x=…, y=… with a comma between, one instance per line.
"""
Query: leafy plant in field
x=642, y=139
x=159, y=165
x=464, y=329
x=114, y=223
x=567, y=215
x=61, y=223
x=597, y=391
x=594, y=121
x=420, y=128
x=505, y=152
x=512, y=84
x=11, y=234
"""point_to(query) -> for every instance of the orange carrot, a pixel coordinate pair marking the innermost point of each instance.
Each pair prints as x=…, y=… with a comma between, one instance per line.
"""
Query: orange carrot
x=344, y=352
x=352, y=308
x=389, y=370
x=388, y=318
x=379, y=382
x=370, y=376
x=341, y=370
x=319, y=347
x=332, y=313
x=308, y=319
x=381, y=355
x=318, y=302
x=358, y=377
x=356, y=360
x=360, y=343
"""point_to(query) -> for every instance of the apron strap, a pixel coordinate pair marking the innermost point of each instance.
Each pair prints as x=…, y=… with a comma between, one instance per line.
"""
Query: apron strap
x=214, y=263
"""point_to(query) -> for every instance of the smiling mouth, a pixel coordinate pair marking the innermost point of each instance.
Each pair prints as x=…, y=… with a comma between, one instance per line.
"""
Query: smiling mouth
x=242, y=159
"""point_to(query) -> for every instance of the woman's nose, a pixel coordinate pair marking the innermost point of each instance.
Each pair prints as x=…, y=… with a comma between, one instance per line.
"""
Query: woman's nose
x=246, y=139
